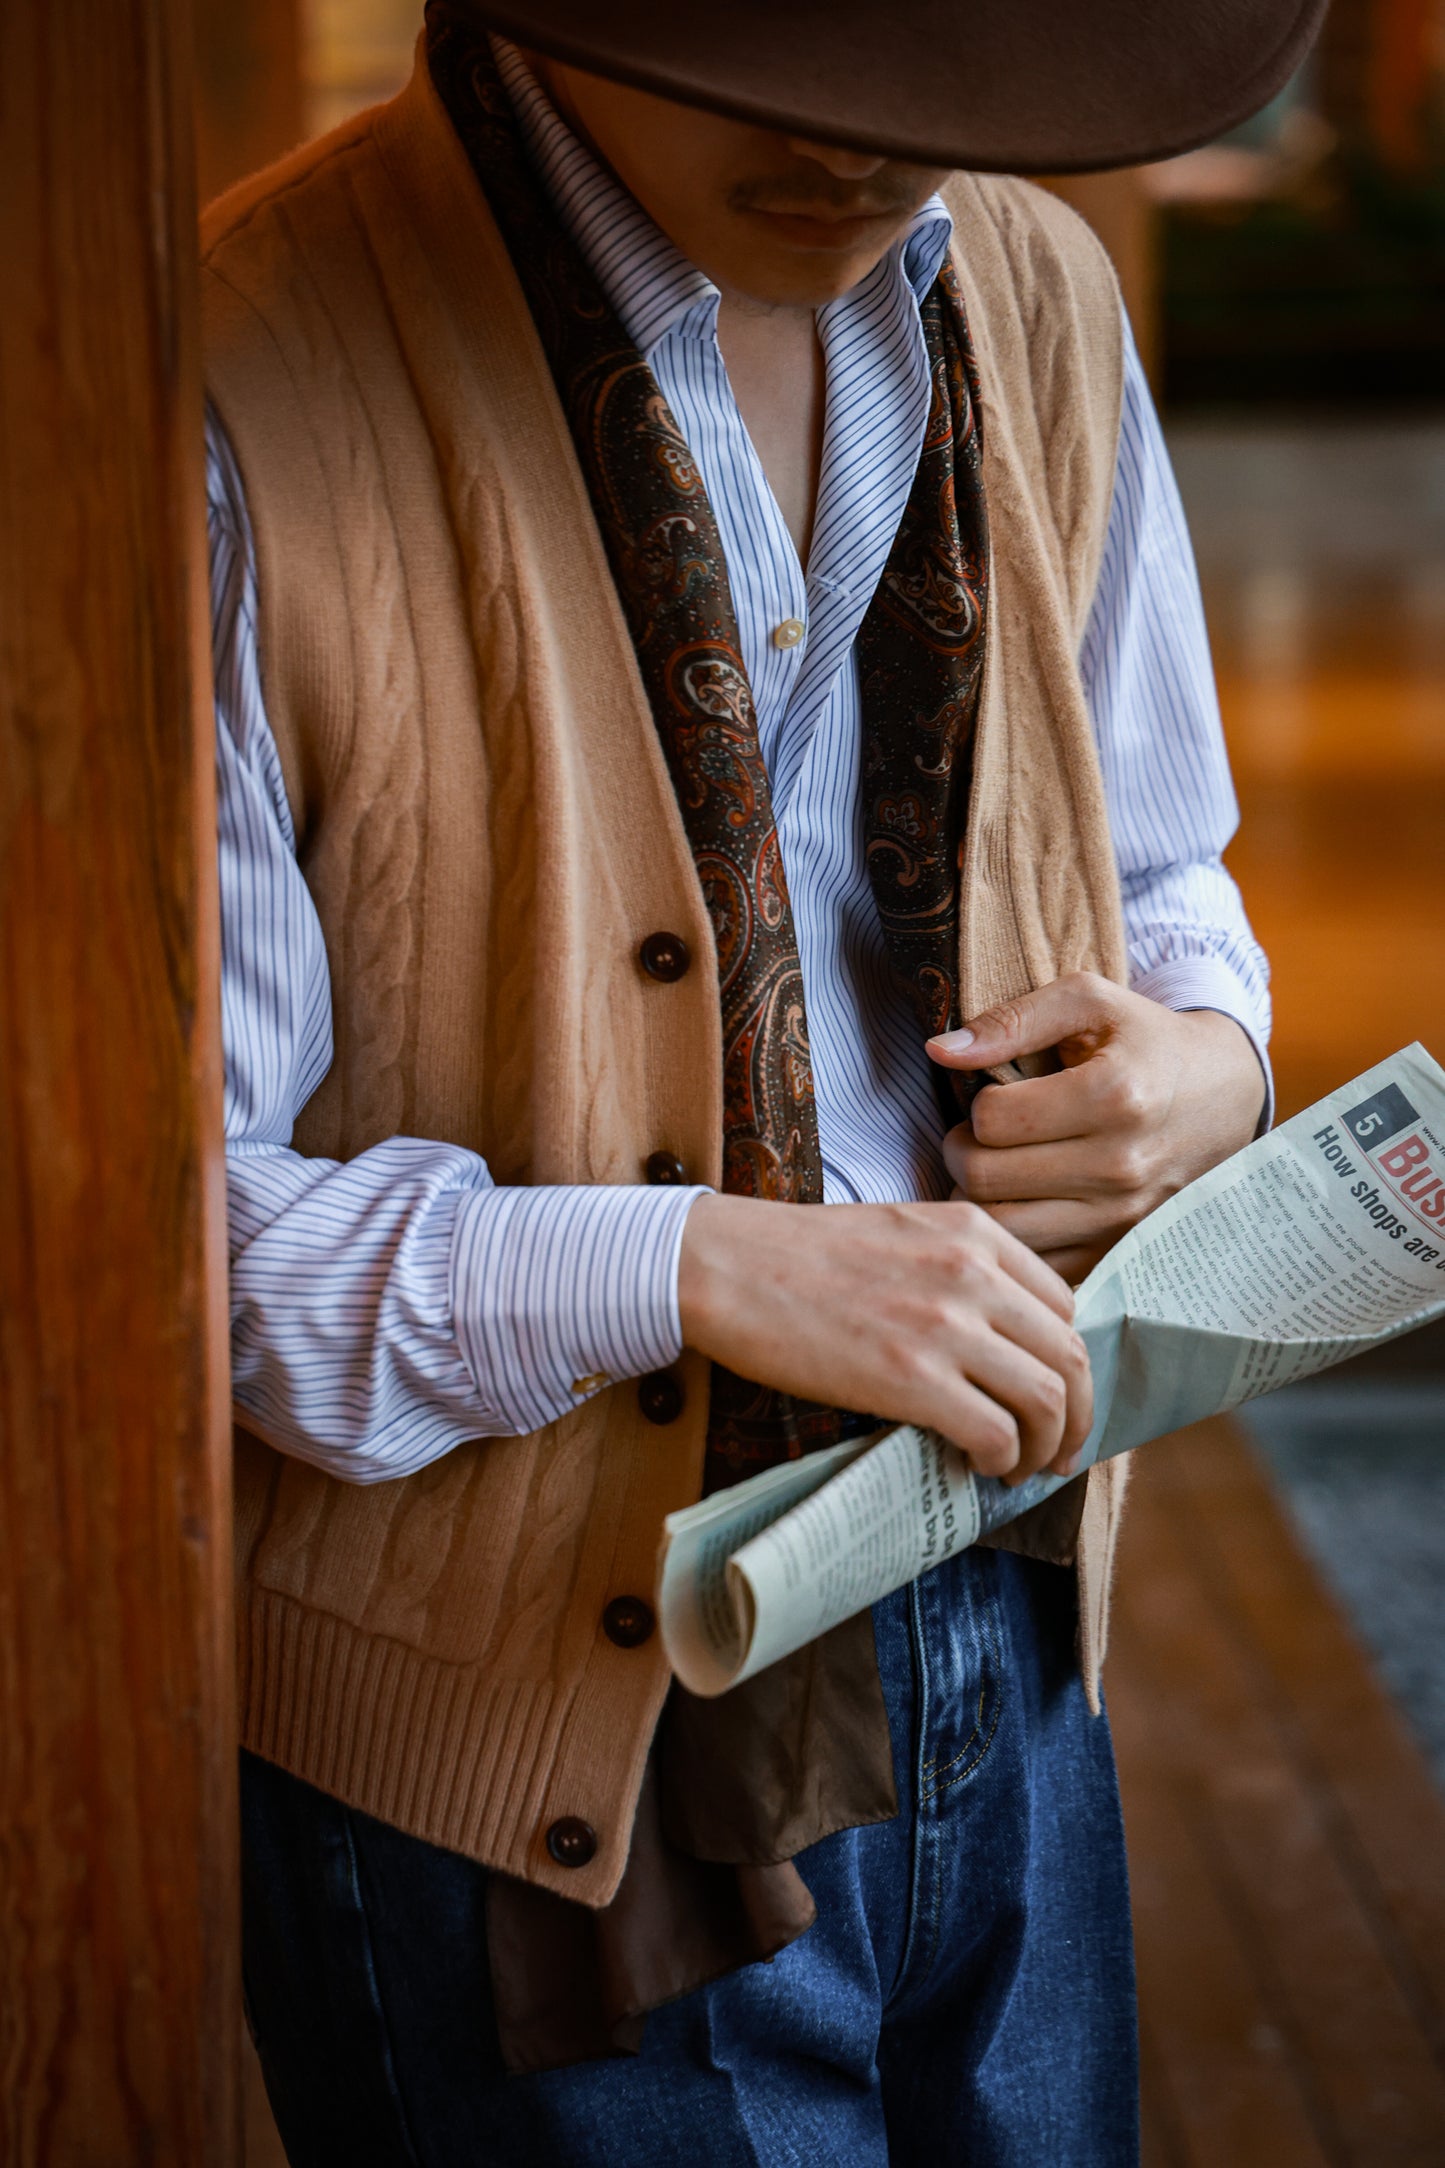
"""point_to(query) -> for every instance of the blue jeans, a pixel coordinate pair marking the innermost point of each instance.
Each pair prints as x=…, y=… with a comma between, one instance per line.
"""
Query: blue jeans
x=965, y=1996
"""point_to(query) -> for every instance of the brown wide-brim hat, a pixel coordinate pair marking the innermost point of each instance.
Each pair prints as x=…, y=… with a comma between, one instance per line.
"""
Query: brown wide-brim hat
x=1012, y=86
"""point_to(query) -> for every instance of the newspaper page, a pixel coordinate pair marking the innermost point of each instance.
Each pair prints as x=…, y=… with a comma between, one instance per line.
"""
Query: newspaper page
x=1311, y=1244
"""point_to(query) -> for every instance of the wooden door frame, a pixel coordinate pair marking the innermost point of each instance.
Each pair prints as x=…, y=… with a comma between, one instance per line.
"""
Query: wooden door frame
x=119, y=1973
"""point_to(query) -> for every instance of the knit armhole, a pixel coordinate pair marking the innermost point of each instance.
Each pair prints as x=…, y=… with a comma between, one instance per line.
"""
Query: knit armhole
x=304, y=623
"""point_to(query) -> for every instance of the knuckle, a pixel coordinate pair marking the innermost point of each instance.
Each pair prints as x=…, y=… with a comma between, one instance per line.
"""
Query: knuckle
x=993, y=1445
x=1127, y=1099
x=1053, y=1395
x=1045, y=1409
x=983, y=1114
x=966, y=1268
x=906, y=1363
x=932, y=1318
x=976, y=1177
x=1125, y=1167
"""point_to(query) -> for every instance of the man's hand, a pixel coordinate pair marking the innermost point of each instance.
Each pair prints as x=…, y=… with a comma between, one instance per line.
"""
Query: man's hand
x=918, y=1313
x=1147, y=1099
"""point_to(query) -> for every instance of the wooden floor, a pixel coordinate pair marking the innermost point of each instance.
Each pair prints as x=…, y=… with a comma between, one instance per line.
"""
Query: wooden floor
x=1287, y=1843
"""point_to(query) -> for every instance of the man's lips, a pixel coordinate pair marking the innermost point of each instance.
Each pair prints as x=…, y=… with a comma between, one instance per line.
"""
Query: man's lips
x=823, y=229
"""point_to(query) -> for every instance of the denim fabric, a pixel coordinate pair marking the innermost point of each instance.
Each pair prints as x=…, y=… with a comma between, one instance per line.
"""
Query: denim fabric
x=966, y=1995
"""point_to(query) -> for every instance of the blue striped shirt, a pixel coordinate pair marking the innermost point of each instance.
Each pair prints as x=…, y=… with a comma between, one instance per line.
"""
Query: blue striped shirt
x=386, y=1308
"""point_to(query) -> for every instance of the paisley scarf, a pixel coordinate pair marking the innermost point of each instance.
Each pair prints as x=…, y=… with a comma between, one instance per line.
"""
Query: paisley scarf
x=920, y=656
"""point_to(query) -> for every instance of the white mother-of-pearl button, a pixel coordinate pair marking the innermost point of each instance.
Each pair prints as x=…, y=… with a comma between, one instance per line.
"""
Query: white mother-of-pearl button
x=789, y=633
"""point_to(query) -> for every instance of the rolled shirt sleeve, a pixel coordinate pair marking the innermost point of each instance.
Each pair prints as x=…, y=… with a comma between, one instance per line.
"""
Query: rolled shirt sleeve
x=387, y=1307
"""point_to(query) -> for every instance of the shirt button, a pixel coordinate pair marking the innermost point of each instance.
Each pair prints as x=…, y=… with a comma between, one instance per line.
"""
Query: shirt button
x=665, y=956
x=665, y=1169
x=789, y=633
x=628, y=1621
x=660, y=1396
x=592, y=1383
x=572, y=1842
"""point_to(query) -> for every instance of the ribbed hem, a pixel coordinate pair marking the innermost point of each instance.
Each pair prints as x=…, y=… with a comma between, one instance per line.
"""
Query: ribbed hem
x=428, y=1746
x=437, y=1750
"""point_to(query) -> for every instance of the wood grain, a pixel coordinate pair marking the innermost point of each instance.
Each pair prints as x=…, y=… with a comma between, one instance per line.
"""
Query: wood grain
x=118, y=2017
x=1284, y=1842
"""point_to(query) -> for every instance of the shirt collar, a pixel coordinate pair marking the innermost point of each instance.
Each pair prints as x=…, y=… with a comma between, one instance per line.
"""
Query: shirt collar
x=649, y=282
x=925, y=244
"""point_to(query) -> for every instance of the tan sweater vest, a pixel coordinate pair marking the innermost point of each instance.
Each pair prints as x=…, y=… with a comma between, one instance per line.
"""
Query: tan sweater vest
x=486, y=824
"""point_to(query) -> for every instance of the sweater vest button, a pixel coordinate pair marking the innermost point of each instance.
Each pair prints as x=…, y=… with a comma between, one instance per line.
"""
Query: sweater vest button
x=572, y=1842
x=665, y=1168
x=628, y=1621
x=665, y=956
x=660, y=1396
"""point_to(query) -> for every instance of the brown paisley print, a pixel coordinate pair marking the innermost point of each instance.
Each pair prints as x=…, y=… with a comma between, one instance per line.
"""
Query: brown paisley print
x=920, y=652
x=920, y=661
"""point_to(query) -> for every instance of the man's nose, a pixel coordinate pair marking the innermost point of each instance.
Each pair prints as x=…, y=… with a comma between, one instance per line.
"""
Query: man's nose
x=844, y=165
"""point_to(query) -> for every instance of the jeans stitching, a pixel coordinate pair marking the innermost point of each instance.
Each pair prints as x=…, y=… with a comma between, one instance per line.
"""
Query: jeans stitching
x=938, y=1789
x=918, y=1975
x=917, y=1638
x=965, y=1774
x=941, y=1768
x=374, y=1985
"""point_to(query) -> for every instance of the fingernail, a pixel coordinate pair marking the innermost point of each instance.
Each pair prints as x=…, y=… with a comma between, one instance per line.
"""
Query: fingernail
x=953, y=1042
x=1069, y=1467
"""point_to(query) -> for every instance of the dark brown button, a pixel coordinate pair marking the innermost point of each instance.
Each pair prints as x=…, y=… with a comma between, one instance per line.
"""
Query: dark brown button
x=665, y=956
x=665, y=1167
x=628, y=1621
x=572, y=1842
x=660, y=1396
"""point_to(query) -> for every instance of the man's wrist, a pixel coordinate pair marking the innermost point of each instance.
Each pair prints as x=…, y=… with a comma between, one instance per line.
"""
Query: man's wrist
x=1190, y=984
x=707, y=1249
x=1229, y=1042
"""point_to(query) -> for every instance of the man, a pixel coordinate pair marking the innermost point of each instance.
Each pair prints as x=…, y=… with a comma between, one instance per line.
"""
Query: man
x=709, y=674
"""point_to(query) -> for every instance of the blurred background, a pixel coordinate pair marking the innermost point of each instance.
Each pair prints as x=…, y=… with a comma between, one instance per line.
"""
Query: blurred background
x=1278, y=1678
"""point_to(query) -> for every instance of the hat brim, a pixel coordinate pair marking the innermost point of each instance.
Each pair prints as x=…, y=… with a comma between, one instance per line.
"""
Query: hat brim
x=1021, y=86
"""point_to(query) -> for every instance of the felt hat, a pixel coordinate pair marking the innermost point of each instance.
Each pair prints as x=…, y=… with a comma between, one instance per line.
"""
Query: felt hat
x=1014, y=86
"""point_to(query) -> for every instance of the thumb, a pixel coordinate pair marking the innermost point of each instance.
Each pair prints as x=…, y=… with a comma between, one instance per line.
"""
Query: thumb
x=1032, y=1023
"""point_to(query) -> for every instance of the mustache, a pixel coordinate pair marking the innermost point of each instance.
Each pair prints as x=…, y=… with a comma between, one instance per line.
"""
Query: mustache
x=884, y=194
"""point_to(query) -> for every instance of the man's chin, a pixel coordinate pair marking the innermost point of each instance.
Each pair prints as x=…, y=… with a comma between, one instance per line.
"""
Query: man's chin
x=800, y=278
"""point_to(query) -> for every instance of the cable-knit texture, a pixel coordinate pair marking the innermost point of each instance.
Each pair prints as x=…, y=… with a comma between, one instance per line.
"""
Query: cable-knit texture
x=487, y=824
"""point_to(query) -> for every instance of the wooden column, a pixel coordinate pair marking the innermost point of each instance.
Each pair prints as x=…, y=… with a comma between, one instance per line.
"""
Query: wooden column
x=118, y=1961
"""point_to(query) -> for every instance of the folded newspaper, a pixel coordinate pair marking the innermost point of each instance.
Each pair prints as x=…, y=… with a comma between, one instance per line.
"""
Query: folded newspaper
x=1324, y=1238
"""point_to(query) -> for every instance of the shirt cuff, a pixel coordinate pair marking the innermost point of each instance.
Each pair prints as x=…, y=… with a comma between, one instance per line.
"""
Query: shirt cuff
x=1203, y=982
x=558, y=1293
